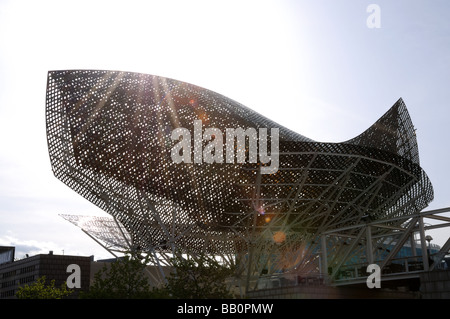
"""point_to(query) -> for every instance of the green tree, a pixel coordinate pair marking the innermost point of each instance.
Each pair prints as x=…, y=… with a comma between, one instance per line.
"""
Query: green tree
x=201, y=277
x=39, y=290
x=123, y=279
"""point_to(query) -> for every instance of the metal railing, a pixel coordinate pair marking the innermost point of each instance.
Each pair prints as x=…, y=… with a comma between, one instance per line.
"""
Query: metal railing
x=403, y=265
x=283, y=280
x=410, y=265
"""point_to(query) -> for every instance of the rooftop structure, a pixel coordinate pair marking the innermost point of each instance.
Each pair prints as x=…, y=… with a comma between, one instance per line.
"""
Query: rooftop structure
x=111, y=139
x=6, y=254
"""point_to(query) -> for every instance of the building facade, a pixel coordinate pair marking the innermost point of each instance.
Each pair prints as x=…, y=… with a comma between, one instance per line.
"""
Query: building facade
x=14, y=274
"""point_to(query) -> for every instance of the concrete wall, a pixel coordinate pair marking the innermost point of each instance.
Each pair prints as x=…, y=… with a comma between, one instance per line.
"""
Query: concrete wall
x=435, y=285
x=327, y=292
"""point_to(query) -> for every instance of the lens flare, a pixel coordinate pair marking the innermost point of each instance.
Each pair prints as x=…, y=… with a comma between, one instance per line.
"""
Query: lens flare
x=279, y=237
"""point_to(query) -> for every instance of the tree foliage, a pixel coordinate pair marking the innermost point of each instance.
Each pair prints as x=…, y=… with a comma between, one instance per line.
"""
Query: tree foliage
x=123, y=279
x=201, y=277
x=39, y=290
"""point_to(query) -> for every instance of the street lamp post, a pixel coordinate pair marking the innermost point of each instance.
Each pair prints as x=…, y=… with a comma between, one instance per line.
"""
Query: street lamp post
x=428, y=238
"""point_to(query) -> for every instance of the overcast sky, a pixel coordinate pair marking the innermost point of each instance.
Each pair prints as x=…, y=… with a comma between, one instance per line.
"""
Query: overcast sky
x=313, y=66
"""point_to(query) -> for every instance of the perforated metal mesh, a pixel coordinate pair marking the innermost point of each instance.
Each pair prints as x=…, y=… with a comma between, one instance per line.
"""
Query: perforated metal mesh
x=109, y=139
x=104, y=229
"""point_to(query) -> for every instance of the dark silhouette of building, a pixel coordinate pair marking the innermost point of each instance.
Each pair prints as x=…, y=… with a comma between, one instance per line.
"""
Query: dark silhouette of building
x=14, y=274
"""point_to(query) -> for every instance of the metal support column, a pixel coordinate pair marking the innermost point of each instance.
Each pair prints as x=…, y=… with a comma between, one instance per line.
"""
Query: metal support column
x=323, y=249
x=369, y=248
x=413, y=245
x=423, y=244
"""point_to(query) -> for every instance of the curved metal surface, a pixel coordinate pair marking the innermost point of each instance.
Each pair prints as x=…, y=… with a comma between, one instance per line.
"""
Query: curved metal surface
x=109, y=139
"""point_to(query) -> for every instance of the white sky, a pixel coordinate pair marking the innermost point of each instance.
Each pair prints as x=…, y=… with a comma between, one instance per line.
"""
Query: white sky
x=312, y=66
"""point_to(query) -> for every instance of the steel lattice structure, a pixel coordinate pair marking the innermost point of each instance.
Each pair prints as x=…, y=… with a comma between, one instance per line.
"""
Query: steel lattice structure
x=109, y=139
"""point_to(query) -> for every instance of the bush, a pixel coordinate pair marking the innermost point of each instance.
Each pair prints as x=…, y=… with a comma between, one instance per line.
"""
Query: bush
x=38, y=290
